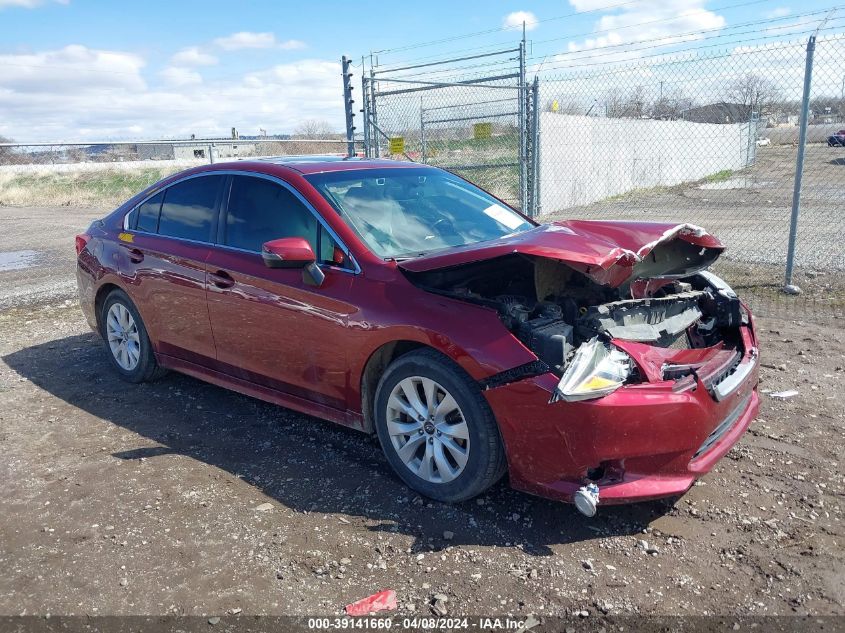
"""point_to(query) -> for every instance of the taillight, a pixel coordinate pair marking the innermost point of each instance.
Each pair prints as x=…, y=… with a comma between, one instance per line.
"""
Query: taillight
x=81, y=242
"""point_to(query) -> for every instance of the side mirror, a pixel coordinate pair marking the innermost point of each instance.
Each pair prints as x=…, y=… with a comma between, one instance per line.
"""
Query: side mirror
x=293, y=252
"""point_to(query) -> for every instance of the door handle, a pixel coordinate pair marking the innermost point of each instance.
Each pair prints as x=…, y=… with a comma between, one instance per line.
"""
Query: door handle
x=221, y=279
x=136, y=255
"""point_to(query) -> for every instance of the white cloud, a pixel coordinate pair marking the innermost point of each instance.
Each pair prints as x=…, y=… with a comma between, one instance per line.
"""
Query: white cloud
x=27, y=4
x=515, y=20
x=661, y=21
x=177, y=76
x=72, y=68
x=780, y=12
x=248, y=39
x=77, y=93
x=292, y=45
x=193, y=56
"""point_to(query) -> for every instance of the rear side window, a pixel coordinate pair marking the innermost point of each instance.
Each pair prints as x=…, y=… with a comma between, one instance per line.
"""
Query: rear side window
x=148, y=213
x=261, y=210
x=188, y=211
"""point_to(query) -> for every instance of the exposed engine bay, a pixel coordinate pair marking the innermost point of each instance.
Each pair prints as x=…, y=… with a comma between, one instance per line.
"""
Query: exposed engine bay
x=554, y=309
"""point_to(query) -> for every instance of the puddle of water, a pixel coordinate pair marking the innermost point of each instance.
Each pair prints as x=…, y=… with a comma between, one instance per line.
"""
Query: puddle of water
x=18, y=260
x=730, y=183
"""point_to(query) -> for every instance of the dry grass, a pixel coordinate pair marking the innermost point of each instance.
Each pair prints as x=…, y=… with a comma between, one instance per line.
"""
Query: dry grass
x=102, y=188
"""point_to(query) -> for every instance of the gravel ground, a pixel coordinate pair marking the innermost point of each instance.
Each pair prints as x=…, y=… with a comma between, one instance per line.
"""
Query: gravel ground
x=179, y=497
x=40, y=239
x=750, y=210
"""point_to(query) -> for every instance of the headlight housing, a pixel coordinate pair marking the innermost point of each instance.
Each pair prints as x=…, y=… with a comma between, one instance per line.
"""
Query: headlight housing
x=596, y=370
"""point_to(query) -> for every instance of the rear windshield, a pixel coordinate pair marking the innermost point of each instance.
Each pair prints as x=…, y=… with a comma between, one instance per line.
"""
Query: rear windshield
x=402, y=213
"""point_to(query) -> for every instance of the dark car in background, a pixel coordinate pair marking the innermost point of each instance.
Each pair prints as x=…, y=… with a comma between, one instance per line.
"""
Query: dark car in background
x=588, y=360
x=836, y=140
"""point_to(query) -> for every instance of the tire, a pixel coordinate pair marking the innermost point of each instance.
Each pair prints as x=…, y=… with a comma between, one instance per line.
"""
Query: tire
x=432, y=456
x=131, y=355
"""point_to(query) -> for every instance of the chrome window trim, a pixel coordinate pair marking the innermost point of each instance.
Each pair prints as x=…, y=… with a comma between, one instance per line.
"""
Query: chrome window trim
x=251, y=174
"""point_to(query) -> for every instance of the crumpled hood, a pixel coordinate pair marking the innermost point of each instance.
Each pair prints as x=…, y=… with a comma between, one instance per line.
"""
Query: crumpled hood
x=609, y=253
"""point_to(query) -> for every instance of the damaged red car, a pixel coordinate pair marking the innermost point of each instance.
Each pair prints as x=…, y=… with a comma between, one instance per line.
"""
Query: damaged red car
x=594, y=362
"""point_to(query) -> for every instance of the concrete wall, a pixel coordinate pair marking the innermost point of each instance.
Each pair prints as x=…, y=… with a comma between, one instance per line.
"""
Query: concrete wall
x=586, y=159
x=221, y=150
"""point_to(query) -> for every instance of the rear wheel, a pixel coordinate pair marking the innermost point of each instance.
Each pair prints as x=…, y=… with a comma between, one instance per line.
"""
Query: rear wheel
x=435, y=428
x=128, y=343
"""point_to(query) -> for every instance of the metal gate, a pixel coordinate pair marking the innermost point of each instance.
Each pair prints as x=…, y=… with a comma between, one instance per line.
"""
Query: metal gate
x=483, y=127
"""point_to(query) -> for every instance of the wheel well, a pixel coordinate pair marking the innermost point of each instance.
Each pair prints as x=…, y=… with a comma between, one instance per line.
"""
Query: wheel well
x=102, y=293
x=378, y=362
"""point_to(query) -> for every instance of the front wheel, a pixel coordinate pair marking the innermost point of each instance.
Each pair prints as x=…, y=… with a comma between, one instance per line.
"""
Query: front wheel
x=435, y=428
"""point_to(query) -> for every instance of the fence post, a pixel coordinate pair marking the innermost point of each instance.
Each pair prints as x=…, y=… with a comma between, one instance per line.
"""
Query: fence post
x=535, y=167
x=365, y=95
x=788, y=286
x=422, y=133
x=211, y=153
x=374, y=110
x=347, y=106
x=523, y=128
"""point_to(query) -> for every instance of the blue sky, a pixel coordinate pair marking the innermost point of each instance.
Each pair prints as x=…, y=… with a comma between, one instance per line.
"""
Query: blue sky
x=76, y=69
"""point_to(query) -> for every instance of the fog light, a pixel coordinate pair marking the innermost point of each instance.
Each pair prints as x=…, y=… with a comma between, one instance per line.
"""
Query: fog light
x=586, y=499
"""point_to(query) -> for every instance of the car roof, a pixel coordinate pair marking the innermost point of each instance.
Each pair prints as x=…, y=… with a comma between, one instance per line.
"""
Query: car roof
x=315, y=164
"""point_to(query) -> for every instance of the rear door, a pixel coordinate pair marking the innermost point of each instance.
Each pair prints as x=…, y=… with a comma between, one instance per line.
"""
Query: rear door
x=270, y=327
x=171, y=237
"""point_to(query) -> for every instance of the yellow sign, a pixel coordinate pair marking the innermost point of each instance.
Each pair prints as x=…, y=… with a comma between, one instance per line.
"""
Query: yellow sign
x=126, y=237
x=397, y=145
x=555, y=106
x=482, y=130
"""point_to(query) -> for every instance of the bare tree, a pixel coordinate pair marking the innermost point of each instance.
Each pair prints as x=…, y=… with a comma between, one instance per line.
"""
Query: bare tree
x=5, y=152
x=315, y=129
x=630, y=106
x=757, y=93
x=670, y=107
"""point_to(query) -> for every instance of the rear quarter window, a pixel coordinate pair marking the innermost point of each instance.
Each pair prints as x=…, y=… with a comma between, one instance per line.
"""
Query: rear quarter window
x=147, y=214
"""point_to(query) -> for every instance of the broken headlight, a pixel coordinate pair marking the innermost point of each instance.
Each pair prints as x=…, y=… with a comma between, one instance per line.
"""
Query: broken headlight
x=596, y=370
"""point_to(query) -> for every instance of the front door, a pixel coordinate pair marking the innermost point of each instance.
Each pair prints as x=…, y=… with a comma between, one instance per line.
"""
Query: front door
x=271, y=327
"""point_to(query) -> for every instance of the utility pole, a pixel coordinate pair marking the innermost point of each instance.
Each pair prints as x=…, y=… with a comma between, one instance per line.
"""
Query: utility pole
x=348, y=101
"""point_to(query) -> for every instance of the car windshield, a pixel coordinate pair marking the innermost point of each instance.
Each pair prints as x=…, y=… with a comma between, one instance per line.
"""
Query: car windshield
x=401, y=213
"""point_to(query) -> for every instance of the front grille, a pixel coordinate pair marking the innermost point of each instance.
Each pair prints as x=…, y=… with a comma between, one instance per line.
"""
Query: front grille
x=724, y=427
x=681, y=341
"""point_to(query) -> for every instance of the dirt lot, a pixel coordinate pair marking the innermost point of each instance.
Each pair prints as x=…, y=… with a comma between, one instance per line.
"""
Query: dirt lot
x=180, y=497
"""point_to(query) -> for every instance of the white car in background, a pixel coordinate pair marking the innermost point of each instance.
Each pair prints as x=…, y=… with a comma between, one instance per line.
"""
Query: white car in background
x=764, y=142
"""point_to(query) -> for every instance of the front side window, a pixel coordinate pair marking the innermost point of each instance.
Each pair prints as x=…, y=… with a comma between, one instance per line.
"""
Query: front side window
x=189, y=208
x=408, y=212
x=261, y=210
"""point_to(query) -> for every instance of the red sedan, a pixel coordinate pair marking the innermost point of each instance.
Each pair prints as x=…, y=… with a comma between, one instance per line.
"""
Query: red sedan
x=592, y=361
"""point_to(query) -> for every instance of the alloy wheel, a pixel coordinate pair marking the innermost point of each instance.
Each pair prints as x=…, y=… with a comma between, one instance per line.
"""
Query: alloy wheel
x=427, y=429
x=122, y=333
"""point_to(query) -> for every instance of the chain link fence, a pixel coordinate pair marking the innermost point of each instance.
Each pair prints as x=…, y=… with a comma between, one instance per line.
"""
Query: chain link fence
x=708, y=137
x=711, y=139
x=102, y=175
x=447, y=115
